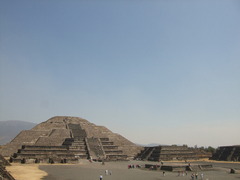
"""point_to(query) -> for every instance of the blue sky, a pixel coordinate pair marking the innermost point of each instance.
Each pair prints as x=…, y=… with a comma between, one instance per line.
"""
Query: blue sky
x=153, y=71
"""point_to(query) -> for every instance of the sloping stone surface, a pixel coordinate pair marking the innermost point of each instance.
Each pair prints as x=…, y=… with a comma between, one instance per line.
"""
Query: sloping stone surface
x=71, y=134
x=227, y=153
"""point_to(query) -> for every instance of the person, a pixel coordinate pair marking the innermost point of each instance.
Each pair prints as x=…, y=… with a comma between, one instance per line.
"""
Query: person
x=163, y=173
x=106, y=172
x=196, y=175
x=101, y=177
x=202, y=176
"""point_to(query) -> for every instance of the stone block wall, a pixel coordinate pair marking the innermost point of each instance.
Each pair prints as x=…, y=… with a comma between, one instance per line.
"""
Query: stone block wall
x=166, y=153
x=227, y=153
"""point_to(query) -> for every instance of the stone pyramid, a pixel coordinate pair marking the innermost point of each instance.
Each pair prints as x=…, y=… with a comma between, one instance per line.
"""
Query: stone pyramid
x=173, y=152
x=66, y=139
x=227, y=153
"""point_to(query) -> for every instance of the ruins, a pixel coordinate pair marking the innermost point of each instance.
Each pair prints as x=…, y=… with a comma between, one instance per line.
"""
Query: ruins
x=227, y=153
x=174, y=152
x=65, y=139
x=179, y=167
x=4, y=174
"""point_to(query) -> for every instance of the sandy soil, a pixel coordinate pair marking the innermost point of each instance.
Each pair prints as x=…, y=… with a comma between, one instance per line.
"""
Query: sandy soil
x=26, y=171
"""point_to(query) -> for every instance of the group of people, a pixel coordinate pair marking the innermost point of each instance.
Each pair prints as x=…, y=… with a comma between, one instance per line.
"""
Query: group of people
x=182, y=173
x=195, y=176
x=132, y=166
x=107, y=172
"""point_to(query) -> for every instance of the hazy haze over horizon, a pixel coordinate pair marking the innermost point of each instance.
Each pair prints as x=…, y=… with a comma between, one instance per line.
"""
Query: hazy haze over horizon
x=153, y=71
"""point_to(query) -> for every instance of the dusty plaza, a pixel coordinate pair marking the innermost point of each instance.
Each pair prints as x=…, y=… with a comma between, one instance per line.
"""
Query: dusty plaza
x=86, y=170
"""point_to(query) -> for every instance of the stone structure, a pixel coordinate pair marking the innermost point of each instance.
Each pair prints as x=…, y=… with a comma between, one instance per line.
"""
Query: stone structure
x=227, y=153
x=234, y=171
x=166, y=153
x=4, y=174
x=68, y=139
x=3, y=161
x=179, y=167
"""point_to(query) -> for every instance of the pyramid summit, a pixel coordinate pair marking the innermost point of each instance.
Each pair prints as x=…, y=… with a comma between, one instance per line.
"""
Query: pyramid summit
x=65, y=138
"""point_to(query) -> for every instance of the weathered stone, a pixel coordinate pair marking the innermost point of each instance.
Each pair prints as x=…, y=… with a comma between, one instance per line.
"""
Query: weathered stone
x=227, y=153
x=4, y=174
x=68, y=139
x=173, y=152
x=234, y=171
x=3, y=161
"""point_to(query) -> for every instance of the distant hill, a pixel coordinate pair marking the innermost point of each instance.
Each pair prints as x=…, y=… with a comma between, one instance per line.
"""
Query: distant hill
x=9, y=129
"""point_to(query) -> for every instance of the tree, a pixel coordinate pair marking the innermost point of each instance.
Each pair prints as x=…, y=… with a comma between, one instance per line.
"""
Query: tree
x=210, y=149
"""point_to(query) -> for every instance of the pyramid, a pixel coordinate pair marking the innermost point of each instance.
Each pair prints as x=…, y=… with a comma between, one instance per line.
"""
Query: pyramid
x=69, y=139
x=173, y=152
x=227, y=153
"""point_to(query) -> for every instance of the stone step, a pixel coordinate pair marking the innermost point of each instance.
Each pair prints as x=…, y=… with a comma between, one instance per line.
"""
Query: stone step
x=27, y=147
x=104, y=139
x=78, y=144
x=113, y=152
x=77, y=148
x=42, y=151
x=51, y=151
x=110, y=147
x=107, y=143
x=116, y=157
x=174, y=153
x=82, y=146
x=28, y=156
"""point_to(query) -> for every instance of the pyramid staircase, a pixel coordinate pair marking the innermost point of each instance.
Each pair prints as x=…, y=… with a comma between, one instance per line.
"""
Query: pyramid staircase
x=111, y=151
x=77, y=146
x=71, y=150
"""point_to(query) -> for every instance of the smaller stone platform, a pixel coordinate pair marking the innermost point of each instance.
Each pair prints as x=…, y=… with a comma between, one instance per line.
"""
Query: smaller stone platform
x=227, y=153
x=174, y=152
x=179, y=167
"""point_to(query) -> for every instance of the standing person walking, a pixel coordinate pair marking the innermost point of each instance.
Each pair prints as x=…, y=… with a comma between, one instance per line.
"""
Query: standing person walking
x=106, y=172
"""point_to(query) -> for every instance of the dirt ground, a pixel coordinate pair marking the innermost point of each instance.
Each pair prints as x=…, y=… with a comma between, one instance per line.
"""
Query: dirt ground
x=119, y=171
x=26, y=171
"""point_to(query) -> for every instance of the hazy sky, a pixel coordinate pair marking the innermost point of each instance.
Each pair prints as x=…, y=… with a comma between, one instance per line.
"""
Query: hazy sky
x=162, y=71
